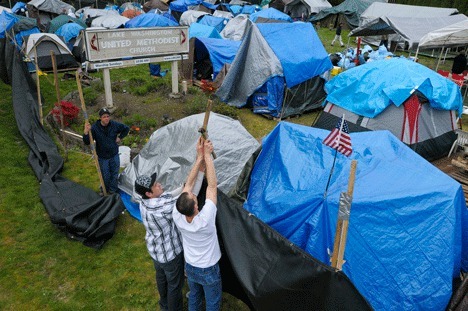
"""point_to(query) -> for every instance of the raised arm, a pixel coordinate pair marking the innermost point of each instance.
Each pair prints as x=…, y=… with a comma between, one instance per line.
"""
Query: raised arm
x=212, y=189
x=190, y=183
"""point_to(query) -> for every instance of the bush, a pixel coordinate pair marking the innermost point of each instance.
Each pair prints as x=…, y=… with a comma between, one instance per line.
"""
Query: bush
x=69, y=111
x=90, y=96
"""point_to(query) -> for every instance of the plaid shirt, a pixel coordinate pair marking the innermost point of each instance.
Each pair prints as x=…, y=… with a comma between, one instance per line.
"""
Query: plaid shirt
x=163, y=239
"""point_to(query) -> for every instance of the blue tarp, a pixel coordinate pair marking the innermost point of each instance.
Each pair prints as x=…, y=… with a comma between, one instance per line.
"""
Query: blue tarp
x=18, y=6
x=197, y=30
x=408, y=227
x=304, y=65
x=7, y=20
x=217, y=22
x=183, y=5
x=221, y=51
x=69, y=31
x=20, y=35
x=368, y=89
x=270, y=13
x=150, y=20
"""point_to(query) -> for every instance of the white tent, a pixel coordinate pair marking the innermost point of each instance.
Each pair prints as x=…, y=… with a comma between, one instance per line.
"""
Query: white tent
x=2, y=8
x=411, y=30
x=379, y=9
x=110, y=21
x=451, y=35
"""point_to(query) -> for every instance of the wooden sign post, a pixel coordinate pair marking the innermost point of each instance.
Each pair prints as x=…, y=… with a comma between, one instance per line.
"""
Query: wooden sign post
x=343, y=221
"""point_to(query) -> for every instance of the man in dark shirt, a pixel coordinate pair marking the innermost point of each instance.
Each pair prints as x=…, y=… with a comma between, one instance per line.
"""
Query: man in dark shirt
x=107, y=134
x=459, y=63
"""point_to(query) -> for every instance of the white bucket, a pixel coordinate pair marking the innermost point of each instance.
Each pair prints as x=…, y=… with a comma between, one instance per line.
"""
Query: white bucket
x=124, y=155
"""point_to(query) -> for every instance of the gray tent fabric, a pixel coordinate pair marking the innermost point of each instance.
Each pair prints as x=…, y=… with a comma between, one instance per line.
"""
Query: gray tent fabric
x=351, y=9
x=304, y=8
x=241, y=81
x=51, y=6
x=236, y=28
x=170, y=152
x=411, y=30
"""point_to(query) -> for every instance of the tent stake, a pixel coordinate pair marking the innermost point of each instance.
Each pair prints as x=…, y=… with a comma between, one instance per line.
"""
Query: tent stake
x=341, y=233
x=91, y=140
x=59, y=101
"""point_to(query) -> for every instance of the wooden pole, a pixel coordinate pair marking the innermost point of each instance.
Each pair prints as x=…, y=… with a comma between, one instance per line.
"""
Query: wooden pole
x=203, y=130
x=91, y=140
x=38, y=87
x=57, y=92
x=341, y=233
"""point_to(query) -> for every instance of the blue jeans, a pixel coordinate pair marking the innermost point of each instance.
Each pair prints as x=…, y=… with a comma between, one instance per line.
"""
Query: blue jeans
x=110, y=172
x=207, y=280
x=170, y=280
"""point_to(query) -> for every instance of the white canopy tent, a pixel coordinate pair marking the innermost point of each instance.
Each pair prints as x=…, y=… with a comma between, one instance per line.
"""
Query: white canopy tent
x=406, y=14
x=410, y=30
x=445, y=37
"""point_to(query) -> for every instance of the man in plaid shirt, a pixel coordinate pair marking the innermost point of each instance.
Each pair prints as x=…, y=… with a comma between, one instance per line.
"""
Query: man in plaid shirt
x=163, y=239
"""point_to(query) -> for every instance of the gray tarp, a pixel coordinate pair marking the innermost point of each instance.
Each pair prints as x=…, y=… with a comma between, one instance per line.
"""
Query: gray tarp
x=351, y=9
x=297, y=7
x=379, y=9
x=51, y=6
x=170, y=152
x=410, y=29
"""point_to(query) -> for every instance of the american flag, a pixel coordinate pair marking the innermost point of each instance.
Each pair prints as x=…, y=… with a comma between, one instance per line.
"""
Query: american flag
x=339, y=138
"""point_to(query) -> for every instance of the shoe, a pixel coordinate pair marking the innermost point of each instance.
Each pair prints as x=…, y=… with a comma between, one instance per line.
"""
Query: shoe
x=331, y=44
x=342, y=45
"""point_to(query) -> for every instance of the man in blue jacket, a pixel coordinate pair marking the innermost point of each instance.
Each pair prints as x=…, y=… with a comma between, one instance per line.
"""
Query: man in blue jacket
x=107, y=134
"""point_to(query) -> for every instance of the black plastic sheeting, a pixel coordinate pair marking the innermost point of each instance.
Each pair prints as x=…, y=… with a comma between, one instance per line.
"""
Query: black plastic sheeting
x=78, y=211
x=266, y=271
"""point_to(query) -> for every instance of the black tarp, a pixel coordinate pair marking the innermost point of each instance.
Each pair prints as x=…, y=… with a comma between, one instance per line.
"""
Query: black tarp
x=78, y=211
x=267, y=272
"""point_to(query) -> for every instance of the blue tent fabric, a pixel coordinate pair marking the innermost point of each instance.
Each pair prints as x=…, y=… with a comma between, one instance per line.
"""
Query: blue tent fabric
x=7, y=20
x=394, y=80
x=408, y=228
x=221, y=51
x=249, y=9
x=150, y=20
x=18, y=6
x=69, y=31
x=305, y=64
x=270, y=13
x=197, y=30
x=182, y=5
x=217, y=22
x=20, y=35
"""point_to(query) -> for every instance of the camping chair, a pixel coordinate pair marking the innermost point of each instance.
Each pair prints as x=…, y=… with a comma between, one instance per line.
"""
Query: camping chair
x=462, y=141
x=461, y=81
x=443, y=73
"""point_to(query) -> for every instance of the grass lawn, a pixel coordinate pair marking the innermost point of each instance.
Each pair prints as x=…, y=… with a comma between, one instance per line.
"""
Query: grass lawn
x=40, y=269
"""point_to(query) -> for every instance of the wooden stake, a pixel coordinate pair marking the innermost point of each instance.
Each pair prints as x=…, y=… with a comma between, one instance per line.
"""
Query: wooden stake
x=204, y=127
x=341, y=233
x=91, y=140
x=38, y=87
x=59, y=101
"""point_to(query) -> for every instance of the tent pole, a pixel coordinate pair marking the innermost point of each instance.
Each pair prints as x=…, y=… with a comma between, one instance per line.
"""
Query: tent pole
x=440, y=56
x=416, y=55
x=445, y=55
x=91, y=140
x=38, y=86
x=59, y=101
